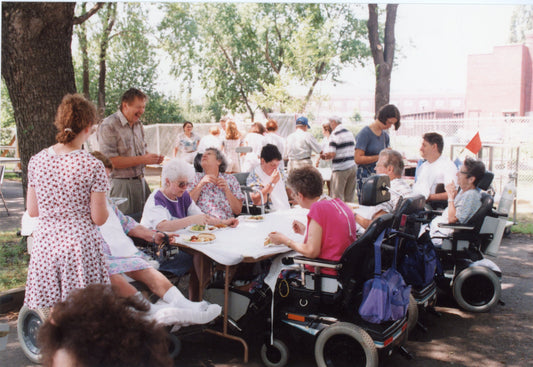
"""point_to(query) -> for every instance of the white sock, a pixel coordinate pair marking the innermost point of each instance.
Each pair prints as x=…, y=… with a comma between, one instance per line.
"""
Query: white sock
x=153, y=308
x=174, y=297
x=182, y=317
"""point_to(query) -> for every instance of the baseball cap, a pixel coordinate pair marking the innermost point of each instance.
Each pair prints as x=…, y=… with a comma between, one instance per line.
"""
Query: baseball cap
x=302, y=121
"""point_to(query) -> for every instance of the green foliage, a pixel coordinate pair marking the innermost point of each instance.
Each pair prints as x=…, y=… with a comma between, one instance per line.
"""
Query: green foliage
x=249, y=56
x=13, y=261
x=521, y=22
x=7, y=119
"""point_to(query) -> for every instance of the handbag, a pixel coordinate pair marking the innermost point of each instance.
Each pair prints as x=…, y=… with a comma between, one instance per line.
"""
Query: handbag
x=386, y=296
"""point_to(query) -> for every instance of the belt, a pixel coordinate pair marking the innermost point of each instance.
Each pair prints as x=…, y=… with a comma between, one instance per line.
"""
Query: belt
x=140, y=177
x=301, y=159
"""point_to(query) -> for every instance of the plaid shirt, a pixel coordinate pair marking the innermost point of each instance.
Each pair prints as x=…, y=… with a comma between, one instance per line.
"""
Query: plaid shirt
x=117, y=138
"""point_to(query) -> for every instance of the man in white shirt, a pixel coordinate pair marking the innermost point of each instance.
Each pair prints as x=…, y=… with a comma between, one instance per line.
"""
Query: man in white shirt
x=436, y=170
x=390, y=163
x=300, y=145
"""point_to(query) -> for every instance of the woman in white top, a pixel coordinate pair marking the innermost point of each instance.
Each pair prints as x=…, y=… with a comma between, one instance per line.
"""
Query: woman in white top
x=186, y=143
x=255, y=139
x=231, y=142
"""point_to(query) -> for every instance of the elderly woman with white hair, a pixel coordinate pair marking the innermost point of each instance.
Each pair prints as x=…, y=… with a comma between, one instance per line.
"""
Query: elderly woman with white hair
x=171, y=208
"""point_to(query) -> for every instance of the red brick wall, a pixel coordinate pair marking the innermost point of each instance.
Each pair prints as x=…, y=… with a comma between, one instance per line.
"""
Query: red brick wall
x=499, y=82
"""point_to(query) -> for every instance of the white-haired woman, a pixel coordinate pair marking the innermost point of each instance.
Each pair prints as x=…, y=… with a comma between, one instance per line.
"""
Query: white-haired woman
x=171, y=208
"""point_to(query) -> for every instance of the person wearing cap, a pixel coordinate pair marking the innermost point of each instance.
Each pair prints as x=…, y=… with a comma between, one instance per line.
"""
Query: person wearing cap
x=341, y=151
x=300, y=145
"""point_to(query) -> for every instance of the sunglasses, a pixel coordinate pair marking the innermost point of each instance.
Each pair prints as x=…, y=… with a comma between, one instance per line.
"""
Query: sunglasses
x=183, y=184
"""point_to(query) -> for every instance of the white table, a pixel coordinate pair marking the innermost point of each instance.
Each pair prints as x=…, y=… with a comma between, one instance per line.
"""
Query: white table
x=245, y=243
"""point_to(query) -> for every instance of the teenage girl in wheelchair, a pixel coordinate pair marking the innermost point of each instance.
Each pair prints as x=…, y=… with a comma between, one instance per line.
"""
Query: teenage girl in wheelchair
x=464, y=231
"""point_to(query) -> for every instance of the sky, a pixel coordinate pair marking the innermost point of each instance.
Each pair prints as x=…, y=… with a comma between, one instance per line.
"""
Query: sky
x=433, y=43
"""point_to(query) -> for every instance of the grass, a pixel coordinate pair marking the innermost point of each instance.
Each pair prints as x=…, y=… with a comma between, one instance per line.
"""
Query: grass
x=524, y=224
x=13, y=261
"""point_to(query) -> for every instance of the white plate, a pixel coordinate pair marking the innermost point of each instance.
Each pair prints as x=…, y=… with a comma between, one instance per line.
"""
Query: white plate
x=208, y=229
x=254, y=218
x=187, y=239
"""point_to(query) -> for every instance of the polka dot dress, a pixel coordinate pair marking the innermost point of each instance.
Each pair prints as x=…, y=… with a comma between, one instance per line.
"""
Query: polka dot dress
x=68, y=248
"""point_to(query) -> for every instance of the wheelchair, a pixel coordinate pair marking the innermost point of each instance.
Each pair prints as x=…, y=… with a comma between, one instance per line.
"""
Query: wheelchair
x=473, y=280
x=423, y=293
x=29, y=320
x=322, y=309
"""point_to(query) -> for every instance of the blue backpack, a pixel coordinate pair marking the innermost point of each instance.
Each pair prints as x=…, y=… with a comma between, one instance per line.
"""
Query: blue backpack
x=419, y=263
x=386, y=296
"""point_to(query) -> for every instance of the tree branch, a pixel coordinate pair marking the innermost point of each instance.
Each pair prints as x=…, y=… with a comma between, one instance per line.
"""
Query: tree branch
x=82, y=18
x=267, y=54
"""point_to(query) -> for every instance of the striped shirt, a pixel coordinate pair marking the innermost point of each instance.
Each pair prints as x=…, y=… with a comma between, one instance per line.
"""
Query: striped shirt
x=342, y=142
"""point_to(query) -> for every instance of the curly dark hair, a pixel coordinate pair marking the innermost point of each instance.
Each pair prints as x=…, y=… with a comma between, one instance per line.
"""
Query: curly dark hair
x=74, y=114
x=306, y=181
x=100, y=329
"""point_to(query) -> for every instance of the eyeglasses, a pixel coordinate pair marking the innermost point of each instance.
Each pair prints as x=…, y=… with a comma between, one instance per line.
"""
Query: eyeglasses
x=182, y=184
x=464, y=173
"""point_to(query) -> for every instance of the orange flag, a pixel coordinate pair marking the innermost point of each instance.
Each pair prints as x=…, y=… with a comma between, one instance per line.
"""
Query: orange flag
x=475, y=144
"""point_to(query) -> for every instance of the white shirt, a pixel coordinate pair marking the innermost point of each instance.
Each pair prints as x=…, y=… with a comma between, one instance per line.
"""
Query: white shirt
x=155, y=214
x=429, y=175
x=275, y=139
x=300, y=145
x=251, y=160
x=278, y=196
x=209, y=141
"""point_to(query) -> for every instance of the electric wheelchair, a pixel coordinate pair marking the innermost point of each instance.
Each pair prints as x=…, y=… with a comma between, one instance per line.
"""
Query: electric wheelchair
x=474, y=281
x=322, y=309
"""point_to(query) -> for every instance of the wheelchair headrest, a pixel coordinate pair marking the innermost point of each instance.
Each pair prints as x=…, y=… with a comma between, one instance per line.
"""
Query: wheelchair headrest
x=375, y=191
x=358, y=259
x=408, y=205
x=485, y=181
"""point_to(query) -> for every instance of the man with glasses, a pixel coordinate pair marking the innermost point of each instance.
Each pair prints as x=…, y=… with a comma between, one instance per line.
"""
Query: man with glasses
x=390, y=163
x=436, y=172
x=121, y=138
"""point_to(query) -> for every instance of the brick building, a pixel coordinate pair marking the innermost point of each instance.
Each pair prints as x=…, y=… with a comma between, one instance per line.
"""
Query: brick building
x=500, y=83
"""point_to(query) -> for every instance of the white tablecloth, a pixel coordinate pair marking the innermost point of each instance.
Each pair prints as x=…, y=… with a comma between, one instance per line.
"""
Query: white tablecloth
x=233, y=245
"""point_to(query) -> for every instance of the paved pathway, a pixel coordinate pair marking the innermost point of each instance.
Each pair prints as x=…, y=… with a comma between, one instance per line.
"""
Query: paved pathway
x=12, y=191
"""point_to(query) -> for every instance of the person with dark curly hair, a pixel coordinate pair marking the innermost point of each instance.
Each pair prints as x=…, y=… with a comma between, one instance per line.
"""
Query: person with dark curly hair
x=67, y=192
x=93, y=328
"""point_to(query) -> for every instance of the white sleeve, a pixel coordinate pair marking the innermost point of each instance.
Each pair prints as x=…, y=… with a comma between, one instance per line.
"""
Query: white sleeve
x=154, y=214
x=193, y=209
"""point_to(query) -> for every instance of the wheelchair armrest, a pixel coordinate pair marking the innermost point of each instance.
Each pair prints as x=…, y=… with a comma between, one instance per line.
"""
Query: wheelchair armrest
x=329, y=264
x=456, y=226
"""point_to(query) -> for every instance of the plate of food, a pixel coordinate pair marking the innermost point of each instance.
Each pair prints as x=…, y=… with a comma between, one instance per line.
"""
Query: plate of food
x=201, y=228
x=200, y=238
x=254, y=218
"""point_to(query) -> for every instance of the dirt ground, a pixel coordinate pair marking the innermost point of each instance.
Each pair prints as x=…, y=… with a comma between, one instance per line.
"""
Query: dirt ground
x=502, y=337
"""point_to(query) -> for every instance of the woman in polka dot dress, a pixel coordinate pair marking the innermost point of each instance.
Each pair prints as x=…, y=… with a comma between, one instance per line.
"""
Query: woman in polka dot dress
x=67, y=191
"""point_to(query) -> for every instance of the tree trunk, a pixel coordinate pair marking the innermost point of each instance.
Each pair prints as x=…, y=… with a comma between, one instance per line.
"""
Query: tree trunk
x=383, y=55
x=37, y=69
x=318, y=73
x=109, y=22
x=82, y=34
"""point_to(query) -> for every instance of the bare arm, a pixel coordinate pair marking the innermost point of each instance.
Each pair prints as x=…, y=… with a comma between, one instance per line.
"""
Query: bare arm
x=438, y=197
x=310, y=249
x=99, y=212
x=361, y=158
x=31, y=202
x=126, y=162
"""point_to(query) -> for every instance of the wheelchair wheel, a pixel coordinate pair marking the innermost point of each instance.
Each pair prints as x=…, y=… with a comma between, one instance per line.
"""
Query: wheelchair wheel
x=412, y=313
x=174, y=345
x=476, y=289
x=28, y=324
x=345, y=344
x=275, y=355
